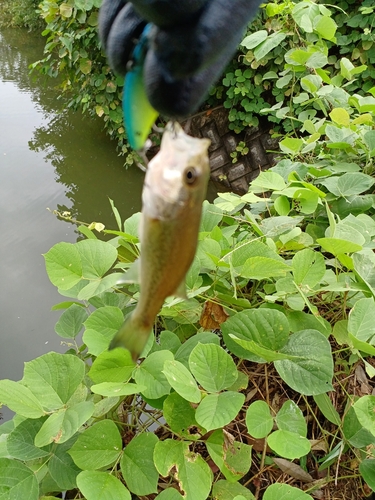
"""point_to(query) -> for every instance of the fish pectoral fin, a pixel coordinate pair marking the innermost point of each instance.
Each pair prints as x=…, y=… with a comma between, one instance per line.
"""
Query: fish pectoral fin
x=181, y=291
x=132, y=275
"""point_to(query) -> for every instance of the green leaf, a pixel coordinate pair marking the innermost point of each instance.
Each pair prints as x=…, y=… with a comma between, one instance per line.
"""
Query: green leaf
x=224, y=490
x=305, y=201
x=137, y=464
x=17, y=481
x=150, y=375
x=179, y=415
x=63, y=265
x=233, y=460
x=61, y=466
x=267, y=181
x=259, y=420
x=101, y=486
x=169, y=494
x=211, y=217
x=279, y=491
x=213, y=368
x=269, y=43
x=367, y=469
x=190, y=470
x=326, y=407
x=340, y=116
x=326, y=27
x=218, y=410
x=311, y=370
x=183, y=353
x=62, y=425
x=267, y=327
x=362, y=319
x=20, y=399
x=354, y=431
x=290, y=418
x=336, y=246
x=291, y=145
x=112, y=366
x=263, y=353
x=353, y=183
x=20, y=442
x=111, y=389
x=253, y=40
x=259, y=268
x=288, y=444
x=53, y=378
x=71, y=322
x=101, y=326
x=182, y=381
x=98, y=446
x=308, y=268
x=364, y=409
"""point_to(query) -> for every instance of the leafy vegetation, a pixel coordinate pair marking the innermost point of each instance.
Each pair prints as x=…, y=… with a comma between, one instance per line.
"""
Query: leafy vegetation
x=20, y=13
x=251, y=383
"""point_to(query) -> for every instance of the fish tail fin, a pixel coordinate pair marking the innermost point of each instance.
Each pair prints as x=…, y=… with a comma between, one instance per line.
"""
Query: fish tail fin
x=132, y=336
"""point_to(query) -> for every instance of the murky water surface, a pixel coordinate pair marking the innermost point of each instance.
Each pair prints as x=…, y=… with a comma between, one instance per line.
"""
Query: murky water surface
x=49, y=158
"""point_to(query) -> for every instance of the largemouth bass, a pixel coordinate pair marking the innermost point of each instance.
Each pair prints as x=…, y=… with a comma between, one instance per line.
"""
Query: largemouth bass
x=174, y=190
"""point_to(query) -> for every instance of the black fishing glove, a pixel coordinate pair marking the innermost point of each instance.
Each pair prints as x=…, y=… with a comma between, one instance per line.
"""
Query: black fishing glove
x=189, y=46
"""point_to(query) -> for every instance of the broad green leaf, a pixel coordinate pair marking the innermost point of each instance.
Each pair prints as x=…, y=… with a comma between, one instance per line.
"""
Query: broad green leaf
x=71, y=322
x=353, y=183
x=98, y=446
x=20, y=399
x=253, y=40
x=224, y=490
x=150, y=375
x=361, y=322
x=326, y=407
x=112, y=366
x=182, y=381
x=211, y=216
x=218, y=410
x=259, y=420
x=340, y=116
x=269, y=43
x=20, y=442
x=61, y=466
x=364, y=266
x=169, y=494
x=262, y=352
x=97, y=257
x=62, y=425
x=183, y=353
x=169, y=341
x=233, y=460
x=308, y=268
x=311, y=370
x=104, y=406
x=98, y=286
x=299, y=320
x=53, y=378
x=179, y=415
x=337, y=246
x=267, y=181
x=364, y=409
x=267, y=327
x=291, y=145
x=112, y=389
x=259, y=268
x=250, y=248
x=213, y=368
x=326, y=27
x=279, y=491
x=101, y=326
x=288, y=444
x=290, y=418
x=17, y=481
x=64, y=265
x=137, y=464
x=367, y=470
x=191, y=471
x=101, y=486
x=354, y=432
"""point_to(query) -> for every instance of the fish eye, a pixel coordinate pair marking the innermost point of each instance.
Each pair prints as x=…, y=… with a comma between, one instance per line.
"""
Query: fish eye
x=190, y=175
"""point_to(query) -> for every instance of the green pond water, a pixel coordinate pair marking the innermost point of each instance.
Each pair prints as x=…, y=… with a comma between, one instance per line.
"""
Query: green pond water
x=53, y=158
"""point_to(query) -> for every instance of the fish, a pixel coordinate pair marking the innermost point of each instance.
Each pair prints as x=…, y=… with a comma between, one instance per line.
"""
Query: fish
x=174, y=189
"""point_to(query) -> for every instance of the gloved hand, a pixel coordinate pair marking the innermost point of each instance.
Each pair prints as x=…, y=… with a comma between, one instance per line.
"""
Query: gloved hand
x=185, y=50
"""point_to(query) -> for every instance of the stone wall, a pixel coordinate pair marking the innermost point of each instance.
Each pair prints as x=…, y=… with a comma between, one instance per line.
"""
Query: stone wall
x=225, y=174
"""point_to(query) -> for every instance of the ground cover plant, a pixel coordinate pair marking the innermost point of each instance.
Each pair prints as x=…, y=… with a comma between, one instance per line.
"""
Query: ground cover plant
x=259, y=385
